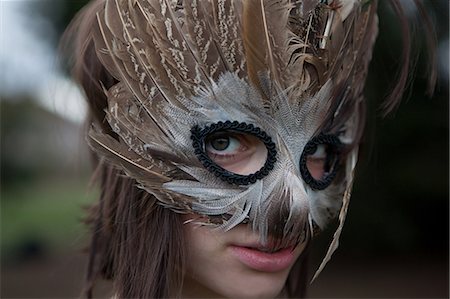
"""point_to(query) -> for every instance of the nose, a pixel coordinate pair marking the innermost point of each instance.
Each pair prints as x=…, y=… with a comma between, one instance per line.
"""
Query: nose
x=287, y=213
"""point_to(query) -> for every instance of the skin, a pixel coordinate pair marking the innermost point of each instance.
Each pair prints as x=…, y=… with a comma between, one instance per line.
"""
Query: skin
x=245, y=154
x=214, y=272
x=238, y=153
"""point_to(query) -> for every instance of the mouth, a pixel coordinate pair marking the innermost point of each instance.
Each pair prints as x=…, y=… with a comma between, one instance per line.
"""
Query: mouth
x=266, y=249
x=264, y=259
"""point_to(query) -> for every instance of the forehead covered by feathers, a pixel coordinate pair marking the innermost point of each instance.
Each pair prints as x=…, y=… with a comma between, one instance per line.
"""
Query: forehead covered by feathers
x=173, y=49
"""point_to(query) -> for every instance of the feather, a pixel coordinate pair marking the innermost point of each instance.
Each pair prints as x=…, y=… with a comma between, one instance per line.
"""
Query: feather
x=204, y=36
x=264, y=30
x=148, y=174
x=342, y=215
x=255, y=41
x=112, y=150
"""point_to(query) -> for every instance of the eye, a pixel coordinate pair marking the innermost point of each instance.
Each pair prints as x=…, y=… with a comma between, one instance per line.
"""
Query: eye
x=238, y=153
x=222, y=144
x=320, y=160
x=316, y=162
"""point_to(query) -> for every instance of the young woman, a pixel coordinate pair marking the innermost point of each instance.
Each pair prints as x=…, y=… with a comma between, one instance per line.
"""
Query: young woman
x=225, y=136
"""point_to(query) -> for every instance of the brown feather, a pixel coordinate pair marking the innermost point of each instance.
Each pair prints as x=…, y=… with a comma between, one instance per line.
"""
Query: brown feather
x=255, y=40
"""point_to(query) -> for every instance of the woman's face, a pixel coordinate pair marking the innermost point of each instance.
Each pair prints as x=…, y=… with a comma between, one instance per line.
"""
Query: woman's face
x=234, y=264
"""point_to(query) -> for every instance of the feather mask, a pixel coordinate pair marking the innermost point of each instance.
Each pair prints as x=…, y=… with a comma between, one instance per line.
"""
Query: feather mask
x=200, y=79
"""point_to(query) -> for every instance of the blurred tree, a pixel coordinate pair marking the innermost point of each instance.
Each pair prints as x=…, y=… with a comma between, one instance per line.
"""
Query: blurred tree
x=58, y=13
x=37, y=144
x=400, y=202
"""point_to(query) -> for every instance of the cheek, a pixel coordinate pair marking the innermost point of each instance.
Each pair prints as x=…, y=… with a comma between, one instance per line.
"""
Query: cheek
x=205, y=259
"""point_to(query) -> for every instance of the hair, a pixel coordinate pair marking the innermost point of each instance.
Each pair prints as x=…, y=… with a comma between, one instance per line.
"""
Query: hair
x=136, y=242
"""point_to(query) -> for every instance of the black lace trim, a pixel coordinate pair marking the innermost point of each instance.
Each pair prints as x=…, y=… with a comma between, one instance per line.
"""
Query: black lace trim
x=309, y=149
x=198, y=139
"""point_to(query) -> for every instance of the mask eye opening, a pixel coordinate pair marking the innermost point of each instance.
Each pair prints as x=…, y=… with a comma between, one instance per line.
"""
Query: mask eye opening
x=199, y=135
x=331, y=164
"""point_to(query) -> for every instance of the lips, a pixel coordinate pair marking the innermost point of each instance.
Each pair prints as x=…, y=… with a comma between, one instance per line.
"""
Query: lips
x=258, y=258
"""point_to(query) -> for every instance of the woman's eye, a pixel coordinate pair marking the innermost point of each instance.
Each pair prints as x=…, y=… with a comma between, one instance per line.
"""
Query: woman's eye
x=235, y=152
x=319, y=161
x=316, y=162
x=222, y=145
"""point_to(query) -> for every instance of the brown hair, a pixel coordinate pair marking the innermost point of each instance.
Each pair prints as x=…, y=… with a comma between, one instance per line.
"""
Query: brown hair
x=392, y=101
x=135, y=241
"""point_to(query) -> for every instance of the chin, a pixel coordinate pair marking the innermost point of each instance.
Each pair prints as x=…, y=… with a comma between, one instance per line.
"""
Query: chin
x=230, y=283
x=257, y=285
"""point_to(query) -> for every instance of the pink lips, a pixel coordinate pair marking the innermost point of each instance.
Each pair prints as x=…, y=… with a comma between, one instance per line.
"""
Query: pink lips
x=264, y=261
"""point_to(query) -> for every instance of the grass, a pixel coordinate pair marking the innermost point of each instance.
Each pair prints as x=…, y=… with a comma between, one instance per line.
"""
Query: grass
x=47, y=214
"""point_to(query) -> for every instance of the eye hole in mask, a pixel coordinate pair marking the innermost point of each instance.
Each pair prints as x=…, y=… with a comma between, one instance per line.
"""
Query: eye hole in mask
x=319, y=161
x=238, y=153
